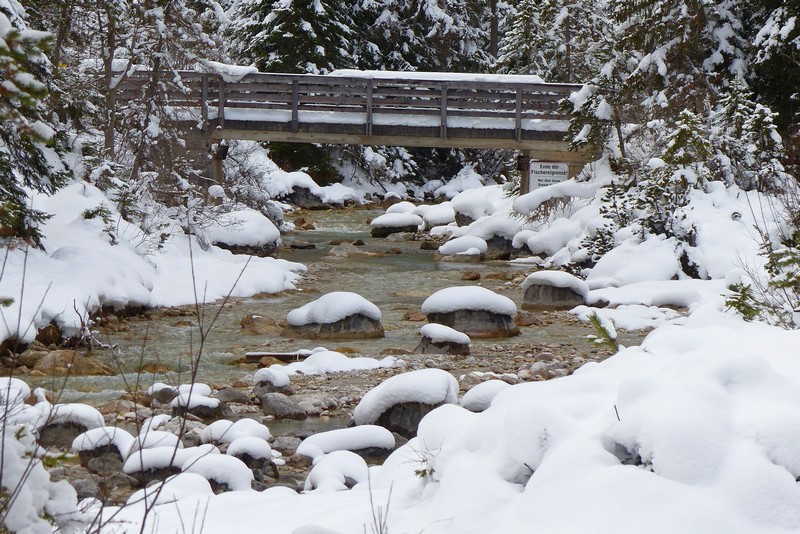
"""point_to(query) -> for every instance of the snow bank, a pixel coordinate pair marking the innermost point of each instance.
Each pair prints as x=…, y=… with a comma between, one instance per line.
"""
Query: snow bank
x=179, y=486
x=242, y=227
x=551, y=239
x=427, y=386
x=439, y=333
x=336, y=472
x=333, y=307
x=480, y=397
x=468, y=298
x=91, y=263
x=632, y=316
x=632, y=261
x=475, y=203
x=438, y=76
x=328, y=361
x=223, y=469
x=466, y=179
x=350, y=439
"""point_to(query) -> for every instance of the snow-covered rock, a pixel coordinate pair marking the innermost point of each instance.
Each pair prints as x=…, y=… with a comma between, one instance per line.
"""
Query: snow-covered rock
x=441, y=339
x=553, y=290
x=462, y=245
x=351, y=439
x=399, y=402
x=223, y=472
x=335, y=315
x=474, y=310
x=392, y=223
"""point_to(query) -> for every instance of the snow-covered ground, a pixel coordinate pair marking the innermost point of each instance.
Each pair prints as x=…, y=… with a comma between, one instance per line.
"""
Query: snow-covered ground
x=696, y=430
x=89, y=262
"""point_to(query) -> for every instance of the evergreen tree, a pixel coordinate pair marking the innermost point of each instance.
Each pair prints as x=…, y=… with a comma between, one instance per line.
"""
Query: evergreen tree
x=30, y=143
x=518, y=55
x=297, y=36
x=558, y=40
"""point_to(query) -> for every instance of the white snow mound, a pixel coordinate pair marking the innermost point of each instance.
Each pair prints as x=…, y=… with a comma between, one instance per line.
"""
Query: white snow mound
x=426, y=386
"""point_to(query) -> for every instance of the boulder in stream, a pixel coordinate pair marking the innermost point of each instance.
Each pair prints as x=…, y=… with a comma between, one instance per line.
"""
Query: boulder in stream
x=244, y=231
x=70, y=363
x=392, y=223
x=336, y=315
x=441, y=339
x=281, y=407
x=553, y=290
x=400, y=402
x=473, y=310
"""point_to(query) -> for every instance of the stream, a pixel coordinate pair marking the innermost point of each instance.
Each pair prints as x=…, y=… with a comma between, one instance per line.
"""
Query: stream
x=395, y=275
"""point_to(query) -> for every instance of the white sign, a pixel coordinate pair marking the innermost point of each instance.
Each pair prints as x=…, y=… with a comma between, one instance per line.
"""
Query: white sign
x=546, y=173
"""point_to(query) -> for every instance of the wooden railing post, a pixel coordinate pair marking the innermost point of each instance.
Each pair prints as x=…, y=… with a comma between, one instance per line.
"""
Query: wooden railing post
x=204, y=100
x=443, y=121
x=370, y=90
x=221, y=103
x=295, y=105
x=518, y=117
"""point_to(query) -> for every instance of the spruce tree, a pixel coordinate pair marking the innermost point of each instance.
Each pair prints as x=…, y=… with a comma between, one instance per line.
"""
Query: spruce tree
x=30, y=142
x=295, y=36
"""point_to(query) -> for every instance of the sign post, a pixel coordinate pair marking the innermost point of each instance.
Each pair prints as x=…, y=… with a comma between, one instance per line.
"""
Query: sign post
x=547, y=173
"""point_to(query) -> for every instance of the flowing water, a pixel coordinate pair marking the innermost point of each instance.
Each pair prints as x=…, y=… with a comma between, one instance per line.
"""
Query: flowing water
x=395, y=275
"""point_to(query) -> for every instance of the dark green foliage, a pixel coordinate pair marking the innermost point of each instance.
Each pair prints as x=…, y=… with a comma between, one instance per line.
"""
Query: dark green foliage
x=25, y=136
x=298, y=36
x=742, y=300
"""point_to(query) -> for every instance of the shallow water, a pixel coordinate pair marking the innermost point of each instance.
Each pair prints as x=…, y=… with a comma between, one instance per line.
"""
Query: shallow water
x=396, y=283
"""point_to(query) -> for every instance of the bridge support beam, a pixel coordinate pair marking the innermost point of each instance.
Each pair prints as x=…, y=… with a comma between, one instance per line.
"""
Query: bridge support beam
x=524, y=166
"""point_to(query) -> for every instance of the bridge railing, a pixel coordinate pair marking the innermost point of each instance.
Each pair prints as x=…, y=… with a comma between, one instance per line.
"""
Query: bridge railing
x=265, y=97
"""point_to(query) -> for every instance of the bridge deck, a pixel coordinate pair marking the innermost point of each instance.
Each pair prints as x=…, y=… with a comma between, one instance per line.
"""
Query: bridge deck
x=460, y=111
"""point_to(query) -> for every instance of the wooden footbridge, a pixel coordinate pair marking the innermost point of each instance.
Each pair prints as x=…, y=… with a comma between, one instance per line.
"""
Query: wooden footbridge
x=382, y=108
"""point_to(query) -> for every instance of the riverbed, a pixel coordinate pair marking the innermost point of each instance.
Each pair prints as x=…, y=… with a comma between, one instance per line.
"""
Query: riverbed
x=395, y=274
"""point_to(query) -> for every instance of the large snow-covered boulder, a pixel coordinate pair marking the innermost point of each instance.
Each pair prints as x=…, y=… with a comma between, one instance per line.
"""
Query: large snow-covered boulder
x=553, y=290
x=365, y=440
x=244, y=232
x=336, y=315
x=468, y=244
x=441, y=339
x=436, y=215
x=399, y=403
x=200, y=405
x=223, y=472
x=105, y=441
x=58, y=425
x=498, y=232
x=472, y=204
x=474, y=310
x=392, y=223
